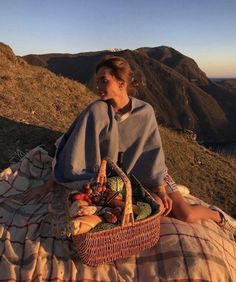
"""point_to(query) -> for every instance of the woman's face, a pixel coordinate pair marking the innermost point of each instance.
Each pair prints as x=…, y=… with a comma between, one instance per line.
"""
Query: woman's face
x=108, y=86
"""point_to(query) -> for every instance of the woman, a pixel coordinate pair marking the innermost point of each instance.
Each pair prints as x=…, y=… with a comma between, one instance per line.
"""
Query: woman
x=119, y=123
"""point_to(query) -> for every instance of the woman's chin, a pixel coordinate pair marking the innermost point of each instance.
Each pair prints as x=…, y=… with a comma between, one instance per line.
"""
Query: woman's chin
x=104, y=97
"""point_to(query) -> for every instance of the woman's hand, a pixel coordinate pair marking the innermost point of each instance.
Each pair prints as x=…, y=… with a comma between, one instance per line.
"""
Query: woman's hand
x=163, y=200
x=167, y=202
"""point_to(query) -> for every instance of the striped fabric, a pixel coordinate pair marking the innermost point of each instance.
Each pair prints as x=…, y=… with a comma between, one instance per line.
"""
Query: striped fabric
x=34, y=248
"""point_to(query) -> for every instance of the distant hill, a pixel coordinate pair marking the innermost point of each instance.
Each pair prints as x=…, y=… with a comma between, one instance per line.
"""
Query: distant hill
x=181, y=94
x=177, y=61
x=228, y=83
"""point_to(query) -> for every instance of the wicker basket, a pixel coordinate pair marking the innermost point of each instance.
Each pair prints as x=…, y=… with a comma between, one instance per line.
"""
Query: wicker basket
x=130, y=238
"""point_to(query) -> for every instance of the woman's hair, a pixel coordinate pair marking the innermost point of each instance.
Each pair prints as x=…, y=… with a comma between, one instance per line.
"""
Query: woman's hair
x=120, y=68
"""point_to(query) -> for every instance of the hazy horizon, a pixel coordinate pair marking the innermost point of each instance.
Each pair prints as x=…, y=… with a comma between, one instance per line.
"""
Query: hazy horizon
x=203, y=30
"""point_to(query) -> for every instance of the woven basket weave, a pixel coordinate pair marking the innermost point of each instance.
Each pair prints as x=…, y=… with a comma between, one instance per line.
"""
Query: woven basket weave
x=128, y=239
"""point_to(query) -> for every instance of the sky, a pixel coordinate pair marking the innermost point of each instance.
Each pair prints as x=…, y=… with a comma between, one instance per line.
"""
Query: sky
x=204, y=30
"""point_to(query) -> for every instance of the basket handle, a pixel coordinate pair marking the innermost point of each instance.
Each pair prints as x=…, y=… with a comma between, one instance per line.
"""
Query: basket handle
x=128, y=216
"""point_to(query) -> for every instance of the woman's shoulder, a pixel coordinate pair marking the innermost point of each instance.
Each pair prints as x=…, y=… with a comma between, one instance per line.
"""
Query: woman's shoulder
x=142, y=106
x=97, y=109
x=96, y=106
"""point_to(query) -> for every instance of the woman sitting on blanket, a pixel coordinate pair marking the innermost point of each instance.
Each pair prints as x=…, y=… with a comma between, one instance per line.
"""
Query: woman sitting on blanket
x=120, y=123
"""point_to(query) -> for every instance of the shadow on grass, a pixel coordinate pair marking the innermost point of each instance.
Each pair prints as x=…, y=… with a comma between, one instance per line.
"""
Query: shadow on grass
x=18, y=136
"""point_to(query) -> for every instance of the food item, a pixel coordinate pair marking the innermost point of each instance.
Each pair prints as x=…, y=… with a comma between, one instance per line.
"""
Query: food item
x=86, y=210
x=82, y=203
x=99, y=189
x=88, y=191
x=107, y=205
x=118, y=203
x=83, y=224
x=110, y=217
x=112, y=196
x=116, y=184
x=81, y=208
x=144, y=210
x=117, y=211
x=74, y=208
x=103, y=226
x=81, y=196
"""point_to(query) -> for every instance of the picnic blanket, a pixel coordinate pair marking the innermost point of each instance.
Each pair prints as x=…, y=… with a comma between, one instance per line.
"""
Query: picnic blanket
x=34, y=248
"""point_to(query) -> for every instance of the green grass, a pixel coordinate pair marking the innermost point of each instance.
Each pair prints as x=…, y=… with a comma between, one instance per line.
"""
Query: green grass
x=208, y=175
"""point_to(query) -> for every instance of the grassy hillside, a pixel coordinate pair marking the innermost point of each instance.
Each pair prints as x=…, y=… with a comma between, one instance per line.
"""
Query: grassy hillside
x=37, y=96
x=34, y=105
x=208, y=175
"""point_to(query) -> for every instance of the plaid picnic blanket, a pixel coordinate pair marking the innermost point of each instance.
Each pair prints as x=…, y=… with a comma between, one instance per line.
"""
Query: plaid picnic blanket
x=31, y=250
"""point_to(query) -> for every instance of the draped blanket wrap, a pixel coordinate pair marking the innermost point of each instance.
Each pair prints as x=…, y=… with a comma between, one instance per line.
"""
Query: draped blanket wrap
x=98, y=133
x=31, y=248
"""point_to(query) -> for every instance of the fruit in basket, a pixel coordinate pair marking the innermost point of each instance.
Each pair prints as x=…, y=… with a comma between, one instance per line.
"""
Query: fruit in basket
x=88, y=191
x=110, y=217
x=99, y=189
x=144, y=210
x=101, y=210
x=81, y=196
x=112, y=196
x=83, y=224
x=117, y=211
x=96, y=199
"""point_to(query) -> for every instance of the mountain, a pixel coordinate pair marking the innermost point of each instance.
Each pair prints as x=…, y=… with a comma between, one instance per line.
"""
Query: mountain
x=177, y=61
x=229, y=83
x=181, y=94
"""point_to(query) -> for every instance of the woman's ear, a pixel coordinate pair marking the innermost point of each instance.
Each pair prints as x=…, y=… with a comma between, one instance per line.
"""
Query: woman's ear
x=121, y=84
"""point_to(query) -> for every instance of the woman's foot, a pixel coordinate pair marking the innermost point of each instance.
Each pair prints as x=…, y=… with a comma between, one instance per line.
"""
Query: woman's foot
x=227, y=223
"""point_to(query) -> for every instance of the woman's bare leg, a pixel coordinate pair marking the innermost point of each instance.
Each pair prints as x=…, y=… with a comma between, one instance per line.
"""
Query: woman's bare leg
x=191, y=213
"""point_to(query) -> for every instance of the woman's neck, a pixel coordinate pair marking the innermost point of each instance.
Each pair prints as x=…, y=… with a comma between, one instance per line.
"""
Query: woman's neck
x=121, y=105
